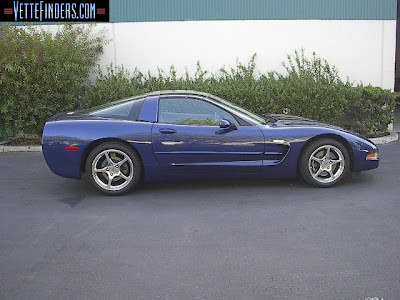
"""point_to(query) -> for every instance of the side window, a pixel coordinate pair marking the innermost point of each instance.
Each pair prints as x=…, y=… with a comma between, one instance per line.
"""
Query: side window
x=187, y=111
x=121, y=110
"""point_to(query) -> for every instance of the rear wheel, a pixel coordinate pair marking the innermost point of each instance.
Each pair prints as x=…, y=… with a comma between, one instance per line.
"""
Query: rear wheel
x=113, y=168
x=324, y=163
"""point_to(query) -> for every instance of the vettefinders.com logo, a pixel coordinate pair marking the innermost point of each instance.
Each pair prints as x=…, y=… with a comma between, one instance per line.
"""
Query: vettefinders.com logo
x=47, y=11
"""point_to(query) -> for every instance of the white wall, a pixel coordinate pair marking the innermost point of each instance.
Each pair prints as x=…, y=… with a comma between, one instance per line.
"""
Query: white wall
x=362, y=50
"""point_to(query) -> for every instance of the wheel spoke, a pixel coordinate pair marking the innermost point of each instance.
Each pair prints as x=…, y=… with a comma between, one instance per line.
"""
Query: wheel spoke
x=109, y=182
x=328, y=152
x=123, y=176
x=330, y=173
x=109, y=160
x=336, y=161
x=103, y=170
x=119, y=164
x=318, y=172
x=314, y=158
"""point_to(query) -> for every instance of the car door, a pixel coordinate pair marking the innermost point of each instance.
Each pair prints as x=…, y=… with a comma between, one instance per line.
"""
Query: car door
x=187, y=139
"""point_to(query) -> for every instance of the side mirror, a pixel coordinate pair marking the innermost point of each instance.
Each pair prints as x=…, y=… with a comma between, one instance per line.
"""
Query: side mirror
x=226, y=124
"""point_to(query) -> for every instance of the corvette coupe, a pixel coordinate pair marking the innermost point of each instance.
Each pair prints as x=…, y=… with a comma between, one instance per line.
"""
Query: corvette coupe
x=187, y=135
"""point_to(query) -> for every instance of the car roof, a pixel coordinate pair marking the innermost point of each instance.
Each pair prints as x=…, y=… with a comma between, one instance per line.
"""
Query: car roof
x=164, y=93
x=178, y=92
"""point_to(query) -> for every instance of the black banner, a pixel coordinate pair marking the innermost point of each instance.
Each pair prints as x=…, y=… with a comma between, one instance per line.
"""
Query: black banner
x=55, y=11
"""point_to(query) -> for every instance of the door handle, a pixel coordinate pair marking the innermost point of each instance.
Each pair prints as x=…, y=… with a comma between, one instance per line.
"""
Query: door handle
x=167, y=130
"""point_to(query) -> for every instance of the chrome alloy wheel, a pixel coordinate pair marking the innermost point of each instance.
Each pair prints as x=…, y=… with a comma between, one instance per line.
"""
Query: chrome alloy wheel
x=326, y=164
x=112, y=169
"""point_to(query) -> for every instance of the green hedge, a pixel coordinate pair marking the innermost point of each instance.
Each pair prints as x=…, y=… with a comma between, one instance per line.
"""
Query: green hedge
x=369, y=110
x=310, y=88
x=43, y=73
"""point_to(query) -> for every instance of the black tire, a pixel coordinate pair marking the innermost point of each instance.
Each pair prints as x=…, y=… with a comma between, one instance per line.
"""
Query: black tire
x=113, y=168
x=322, y=168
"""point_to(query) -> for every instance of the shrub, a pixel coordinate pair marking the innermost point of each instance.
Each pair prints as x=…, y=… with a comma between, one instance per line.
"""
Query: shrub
x=311, y=88
x=115, y=84
x=240, y=85
x=237, y=84
x=368, y=110
x=43, y=73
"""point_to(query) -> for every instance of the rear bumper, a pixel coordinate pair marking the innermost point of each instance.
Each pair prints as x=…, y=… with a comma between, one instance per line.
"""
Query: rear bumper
x=60, y=161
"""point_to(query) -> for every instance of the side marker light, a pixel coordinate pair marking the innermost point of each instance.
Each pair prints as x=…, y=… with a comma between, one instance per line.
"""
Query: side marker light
x=372, y=156
x=72, y=148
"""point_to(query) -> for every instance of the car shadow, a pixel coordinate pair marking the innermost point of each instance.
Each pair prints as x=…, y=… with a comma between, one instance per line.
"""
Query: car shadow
x=218, y=184
x=211, y=191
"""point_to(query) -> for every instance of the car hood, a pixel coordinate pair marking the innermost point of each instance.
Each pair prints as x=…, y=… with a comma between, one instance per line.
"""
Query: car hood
x=295, y=121
x=280, y=120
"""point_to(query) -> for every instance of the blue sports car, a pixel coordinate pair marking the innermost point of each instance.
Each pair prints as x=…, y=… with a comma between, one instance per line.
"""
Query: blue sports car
x=176, y=135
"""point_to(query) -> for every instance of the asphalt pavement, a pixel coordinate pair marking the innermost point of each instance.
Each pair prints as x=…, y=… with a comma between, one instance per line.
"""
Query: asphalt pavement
x=60, y=239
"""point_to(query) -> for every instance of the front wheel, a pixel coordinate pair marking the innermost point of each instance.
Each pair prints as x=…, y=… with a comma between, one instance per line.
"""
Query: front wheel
x=113, y=168
x=324, y=163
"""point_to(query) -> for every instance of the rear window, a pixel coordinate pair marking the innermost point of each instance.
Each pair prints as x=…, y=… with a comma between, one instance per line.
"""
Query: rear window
x=123, y=109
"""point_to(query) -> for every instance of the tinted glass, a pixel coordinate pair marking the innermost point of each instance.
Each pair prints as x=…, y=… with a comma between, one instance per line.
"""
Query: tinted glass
x=241, y=111
x=123, y=109
x=191, y=112
x=120, y=110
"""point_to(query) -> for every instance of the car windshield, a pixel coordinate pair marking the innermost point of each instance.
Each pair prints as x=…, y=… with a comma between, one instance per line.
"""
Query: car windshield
x=241, y=111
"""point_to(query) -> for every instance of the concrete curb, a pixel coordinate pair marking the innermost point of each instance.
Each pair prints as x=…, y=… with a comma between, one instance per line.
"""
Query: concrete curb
x=394, y=136
x=20, y=148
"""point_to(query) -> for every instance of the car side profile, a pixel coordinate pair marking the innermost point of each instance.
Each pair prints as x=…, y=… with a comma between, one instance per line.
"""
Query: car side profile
x=187, y=135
